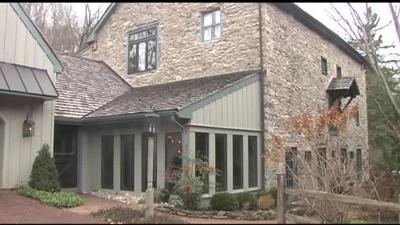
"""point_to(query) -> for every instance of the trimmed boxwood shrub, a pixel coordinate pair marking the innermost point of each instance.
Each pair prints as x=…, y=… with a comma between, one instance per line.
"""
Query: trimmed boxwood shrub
x=44, y=176
x=247, y=200
x=57, y=199
x=224, y=202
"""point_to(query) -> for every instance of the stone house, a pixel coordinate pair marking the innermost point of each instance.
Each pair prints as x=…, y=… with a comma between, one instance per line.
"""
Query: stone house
x=28, y=70
x=222, y=77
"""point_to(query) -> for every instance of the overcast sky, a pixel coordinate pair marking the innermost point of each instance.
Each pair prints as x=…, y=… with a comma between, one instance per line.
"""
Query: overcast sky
x=320, y=12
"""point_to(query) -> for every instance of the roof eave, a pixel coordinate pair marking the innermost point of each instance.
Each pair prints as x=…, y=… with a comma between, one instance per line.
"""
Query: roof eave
x=93, y=35
x=322, y=30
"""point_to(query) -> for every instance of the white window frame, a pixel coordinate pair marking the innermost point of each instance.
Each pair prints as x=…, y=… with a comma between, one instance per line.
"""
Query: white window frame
x=212, y=26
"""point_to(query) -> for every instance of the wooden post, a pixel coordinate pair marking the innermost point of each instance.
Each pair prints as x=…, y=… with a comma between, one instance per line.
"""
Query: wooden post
x=280, y=205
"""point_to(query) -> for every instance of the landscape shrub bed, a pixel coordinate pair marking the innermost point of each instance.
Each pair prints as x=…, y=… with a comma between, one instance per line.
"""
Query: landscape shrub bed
x=133, y=216
x=57, y=199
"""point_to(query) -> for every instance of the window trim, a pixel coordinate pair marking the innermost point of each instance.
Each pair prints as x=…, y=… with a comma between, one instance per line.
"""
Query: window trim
x=202, y=13
x=142, y=28
x=324, y=60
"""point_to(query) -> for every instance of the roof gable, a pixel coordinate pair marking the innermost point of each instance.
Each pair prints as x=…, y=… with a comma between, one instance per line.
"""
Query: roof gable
x=58, y=67
x=290, y=8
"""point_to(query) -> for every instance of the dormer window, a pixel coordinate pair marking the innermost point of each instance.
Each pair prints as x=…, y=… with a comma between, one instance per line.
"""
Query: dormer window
x=211, y=25
x=142, y=50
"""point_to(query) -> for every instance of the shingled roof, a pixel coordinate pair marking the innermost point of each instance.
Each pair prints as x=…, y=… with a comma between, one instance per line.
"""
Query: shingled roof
x=168, y=96
x=84, y=86
x=346, y=85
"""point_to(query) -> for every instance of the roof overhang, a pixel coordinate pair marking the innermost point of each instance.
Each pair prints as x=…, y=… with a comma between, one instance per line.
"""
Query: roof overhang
x=344, y=87
x=26, y=81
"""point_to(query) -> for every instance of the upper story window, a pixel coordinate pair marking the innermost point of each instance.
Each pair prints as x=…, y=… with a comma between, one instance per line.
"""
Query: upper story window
x=338, y=71
x=324, y=66
x=211, y=25
x=142, y=50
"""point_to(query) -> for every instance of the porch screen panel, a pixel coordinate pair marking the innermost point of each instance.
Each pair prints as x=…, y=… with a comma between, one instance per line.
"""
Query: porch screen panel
x=253, y=162
x=237, y=161
x=107, y=161
x=127, y=162
x=221, y=162
x=201, y=153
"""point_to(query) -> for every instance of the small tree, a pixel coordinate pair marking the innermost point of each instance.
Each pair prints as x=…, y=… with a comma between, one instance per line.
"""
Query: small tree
x=44, y=175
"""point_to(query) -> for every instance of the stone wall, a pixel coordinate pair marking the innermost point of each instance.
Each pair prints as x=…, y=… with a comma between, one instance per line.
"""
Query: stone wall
x=292, y=54
x=182, y=54
x=294, y=83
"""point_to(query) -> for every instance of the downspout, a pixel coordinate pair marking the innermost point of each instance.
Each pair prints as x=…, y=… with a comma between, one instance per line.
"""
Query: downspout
x=262, y=97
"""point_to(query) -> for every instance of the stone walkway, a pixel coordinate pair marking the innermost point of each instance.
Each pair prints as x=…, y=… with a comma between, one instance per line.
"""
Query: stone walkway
x=18, y=209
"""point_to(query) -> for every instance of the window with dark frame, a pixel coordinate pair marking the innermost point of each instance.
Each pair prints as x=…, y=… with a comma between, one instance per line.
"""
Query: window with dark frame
x=237, y=156
x=107, y=161
x=351, y=155
x=324, y=66
x=201, y=152
x=128, y=162
x=142, y=50
x=221, y=162
x=253, y=161
x=291, y=166
x=357, y=118
x=307, y=157
x=211, y=25
x=338, y=71
x=358, y=163
x=343, y=156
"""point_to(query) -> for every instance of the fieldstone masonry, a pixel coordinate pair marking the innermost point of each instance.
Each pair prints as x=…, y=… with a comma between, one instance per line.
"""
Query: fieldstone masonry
x=293, y=82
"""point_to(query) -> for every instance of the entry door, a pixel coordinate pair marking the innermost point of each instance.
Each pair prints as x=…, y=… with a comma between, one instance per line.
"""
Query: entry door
x=65, y=154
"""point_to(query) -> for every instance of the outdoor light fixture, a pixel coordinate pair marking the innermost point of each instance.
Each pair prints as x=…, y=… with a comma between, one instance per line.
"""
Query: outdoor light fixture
x=28, y=126
x=152, y=123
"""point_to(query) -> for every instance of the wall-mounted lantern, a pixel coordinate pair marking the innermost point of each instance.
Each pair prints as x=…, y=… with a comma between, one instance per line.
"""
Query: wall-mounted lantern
x=152, y=123
x=28, y=126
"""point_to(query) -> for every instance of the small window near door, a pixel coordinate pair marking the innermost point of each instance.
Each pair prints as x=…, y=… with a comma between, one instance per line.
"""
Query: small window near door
x=107, y=161
x=211, y=25
x=237, y=161
x=338, y=71
x=357, y=118
x=253, y=161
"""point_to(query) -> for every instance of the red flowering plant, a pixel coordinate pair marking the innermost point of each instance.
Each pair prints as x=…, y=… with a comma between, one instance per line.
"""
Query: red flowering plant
x=189, y=187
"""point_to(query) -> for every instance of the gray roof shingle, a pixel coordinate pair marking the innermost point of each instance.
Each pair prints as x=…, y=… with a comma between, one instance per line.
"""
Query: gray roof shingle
x=168, y=96
x=85, y=85
x=346, y=85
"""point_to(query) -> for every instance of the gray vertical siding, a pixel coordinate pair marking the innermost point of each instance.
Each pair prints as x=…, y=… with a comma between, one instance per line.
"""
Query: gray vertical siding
x=18, y=46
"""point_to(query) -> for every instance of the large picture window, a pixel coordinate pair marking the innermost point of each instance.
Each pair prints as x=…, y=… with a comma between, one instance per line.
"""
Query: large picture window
x=237, y=161
x=107, y=161
x=221, y=162
x=127, y=162
x=253, y=161
x=142, y=50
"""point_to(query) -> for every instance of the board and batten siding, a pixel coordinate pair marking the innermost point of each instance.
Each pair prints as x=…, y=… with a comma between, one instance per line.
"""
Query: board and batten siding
x=237, y=110
x=18, y=46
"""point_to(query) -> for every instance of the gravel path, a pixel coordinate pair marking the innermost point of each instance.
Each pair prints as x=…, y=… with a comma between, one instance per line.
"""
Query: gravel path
x=18, y=209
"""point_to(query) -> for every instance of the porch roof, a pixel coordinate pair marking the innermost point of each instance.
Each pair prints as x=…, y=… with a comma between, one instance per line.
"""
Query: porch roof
x=169, y=96
x=26, y=81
